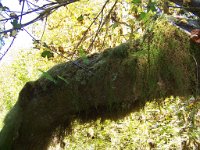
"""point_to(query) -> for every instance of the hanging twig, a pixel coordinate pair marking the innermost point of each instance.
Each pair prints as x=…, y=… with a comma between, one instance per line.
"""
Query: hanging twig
x=101, y=25
x=85, y=33
x=45, y=23
x=22, y=12
x=8, y=48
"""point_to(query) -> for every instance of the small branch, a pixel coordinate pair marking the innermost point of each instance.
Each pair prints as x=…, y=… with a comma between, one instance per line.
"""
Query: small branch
x=44, y=29
x=22, y=25
x=22, y=11
x=85, y=33
x=104, y=39
x=30, y=3
x=29, y=34
x=41, y=16
x=8, y=48
x=53, y=5
x=101, y=25
x=26, y=13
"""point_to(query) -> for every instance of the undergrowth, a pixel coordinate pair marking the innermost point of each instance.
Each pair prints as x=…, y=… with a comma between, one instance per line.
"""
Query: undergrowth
x=173, y=123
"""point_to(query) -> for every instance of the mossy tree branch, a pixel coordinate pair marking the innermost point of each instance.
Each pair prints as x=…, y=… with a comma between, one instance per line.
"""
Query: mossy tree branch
x=122, y=80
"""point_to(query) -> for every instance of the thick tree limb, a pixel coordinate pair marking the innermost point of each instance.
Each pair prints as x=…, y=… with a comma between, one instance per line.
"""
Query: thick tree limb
x=122, y=79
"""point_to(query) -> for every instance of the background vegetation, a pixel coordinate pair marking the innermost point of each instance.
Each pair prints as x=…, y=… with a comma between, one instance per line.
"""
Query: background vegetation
x=25, y=67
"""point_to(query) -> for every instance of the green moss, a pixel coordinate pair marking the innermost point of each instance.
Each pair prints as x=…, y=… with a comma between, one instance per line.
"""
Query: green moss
x=11, y=129
x=120, y=51
x=168, y=59
x=109, y=86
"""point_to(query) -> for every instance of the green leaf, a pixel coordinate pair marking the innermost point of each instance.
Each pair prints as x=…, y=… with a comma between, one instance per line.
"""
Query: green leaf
x=15, y=24
x=83, y=55
x=65, y=80
x=151, y=7
x=115, y=25
x=85, y=60
x=47, y=76
x=136, y=1
x=47, y=54
x=81, y=51
x=80, y=18
x=143, y=15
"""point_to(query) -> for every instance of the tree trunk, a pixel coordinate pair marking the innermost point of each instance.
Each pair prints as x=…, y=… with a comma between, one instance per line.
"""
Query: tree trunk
x=107, y=85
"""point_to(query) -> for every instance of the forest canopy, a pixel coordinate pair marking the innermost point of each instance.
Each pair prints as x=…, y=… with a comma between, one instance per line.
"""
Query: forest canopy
x=81, y=24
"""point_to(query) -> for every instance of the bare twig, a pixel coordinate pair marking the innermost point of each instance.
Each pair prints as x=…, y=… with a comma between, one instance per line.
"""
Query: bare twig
x=45, y=24
x=50, y=7
x=98, y=30
x=8, y=48
x=42, y=8
x=104, y=39
x=85, y=33
x=42, y=15
x=29, y=34
x=101, y=25
x=22, y=11
x=23, y=25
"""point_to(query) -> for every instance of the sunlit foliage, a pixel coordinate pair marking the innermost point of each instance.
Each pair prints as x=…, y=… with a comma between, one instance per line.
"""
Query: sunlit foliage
x=172, y=123
x=25, y=67
x=91, y=26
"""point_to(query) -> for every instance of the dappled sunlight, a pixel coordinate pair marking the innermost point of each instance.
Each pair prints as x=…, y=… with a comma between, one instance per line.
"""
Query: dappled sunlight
x=101, y=75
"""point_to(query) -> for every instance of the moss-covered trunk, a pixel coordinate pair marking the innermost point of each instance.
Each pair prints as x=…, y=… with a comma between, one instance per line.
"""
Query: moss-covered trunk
x=108, y=85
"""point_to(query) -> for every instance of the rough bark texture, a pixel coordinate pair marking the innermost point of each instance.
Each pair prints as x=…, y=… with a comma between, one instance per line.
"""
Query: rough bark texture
x=113, y=84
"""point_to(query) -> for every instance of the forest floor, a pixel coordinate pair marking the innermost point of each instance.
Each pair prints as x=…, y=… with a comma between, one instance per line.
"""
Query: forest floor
x=173, y=123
